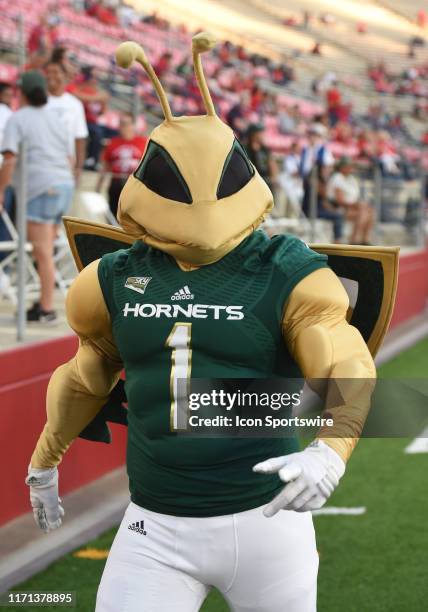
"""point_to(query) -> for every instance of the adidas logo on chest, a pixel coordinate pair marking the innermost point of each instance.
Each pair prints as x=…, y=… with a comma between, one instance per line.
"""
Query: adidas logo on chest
x=183, y=294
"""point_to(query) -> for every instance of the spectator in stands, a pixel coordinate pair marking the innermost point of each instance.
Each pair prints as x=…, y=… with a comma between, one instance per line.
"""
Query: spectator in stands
x=343, y=196
x=261, y=156
x=290, y=180
x=377, y=116
x=127, y=15
x=69, y=110
x=316, y=162
x=94, y=100
x=50, y=179
x=334, y=102
x=68, y=61
x=343, y=133
x=120, y=159
x=281, y=74
x=43, y=37
x=236, y=120
x=387, y=154
x=396, y=126
x=411, y=49
x=184, y=68
x=366, y=145
x=256, y=98
x=287, y=122
x=290, y=21
x=327, y=19
x=163, y=65
x=6, y=97
x=102, y=11
x=316, y=49
x=422, y=18
x=154, y=19
x=242, y=54
x=306, y=19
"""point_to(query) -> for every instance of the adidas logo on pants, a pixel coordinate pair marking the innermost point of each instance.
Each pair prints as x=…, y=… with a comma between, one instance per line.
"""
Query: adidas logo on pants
x=138, y=527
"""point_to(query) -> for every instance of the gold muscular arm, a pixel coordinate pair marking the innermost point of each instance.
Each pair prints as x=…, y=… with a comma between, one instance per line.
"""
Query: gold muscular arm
x=78, y=389
x=325, y=346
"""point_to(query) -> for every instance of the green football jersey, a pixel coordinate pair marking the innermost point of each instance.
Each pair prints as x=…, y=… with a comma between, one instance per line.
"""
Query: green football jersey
x=219, y=321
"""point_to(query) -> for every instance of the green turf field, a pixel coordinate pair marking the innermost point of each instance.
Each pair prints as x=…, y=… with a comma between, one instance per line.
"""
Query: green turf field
x=376, y=562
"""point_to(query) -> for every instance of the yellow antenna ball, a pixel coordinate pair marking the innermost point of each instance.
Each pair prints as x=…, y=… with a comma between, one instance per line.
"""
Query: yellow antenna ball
x=204, y=41
x=129, y=52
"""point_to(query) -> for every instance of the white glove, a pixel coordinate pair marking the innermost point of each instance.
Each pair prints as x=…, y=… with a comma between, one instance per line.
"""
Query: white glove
x=312, y=475
x=44, y=498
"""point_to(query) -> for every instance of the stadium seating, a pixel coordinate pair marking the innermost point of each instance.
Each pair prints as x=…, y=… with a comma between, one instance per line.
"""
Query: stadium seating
x=94, y=43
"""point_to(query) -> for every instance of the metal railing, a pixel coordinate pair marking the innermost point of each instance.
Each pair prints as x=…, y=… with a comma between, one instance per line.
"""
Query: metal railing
x=21, y=226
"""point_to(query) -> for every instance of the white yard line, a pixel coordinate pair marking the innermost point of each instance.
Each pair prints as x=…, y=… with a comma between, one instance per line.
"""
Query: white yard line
x=334, y=511
x=419, y=444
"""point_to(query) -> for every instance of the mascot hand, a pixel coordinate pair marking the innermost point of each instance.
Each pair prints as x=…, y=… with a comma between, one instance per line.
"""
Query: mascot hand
x=312, y=475
x=45, y=502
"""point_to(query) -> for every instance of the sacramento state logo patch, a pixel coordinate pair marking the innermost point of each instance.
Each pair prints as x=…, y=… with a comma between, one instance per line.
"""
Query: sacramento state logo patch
x=138, y=283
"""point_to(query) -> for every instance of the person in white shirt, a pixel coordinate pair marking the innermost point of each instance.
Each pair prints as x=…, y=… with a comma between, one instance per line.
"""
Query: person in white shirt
x=317, y=159
x=290, y=180
x=6, y=95
x=69, y=110
x=343, y=194
x=316, y=152
x=50, y=182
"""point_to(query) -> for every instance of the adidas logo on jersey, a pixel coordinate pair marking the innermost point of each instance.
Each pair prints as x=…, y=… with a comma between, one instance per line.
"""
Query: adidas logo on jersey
x=183, y=294
x=138, y=527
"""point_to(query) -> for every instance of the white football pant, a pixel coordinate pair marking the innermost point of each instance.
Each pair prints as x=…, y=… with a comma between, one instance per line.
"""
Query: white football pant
x=161, y=563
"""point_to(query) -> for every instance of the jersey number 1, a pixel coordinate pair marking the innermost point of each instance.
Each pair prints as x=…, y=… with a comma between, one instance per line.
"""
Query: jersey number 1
x=181, y=369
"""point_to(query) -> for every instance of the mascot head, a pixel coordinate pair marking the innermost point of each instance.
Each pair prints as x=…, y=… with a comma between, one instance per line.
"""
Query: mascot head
x=195, y=193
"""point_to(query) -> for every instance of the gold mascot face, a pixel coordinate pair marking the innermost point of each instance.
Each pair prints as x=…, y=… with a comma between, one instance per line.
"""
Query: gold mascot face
x=195, y=194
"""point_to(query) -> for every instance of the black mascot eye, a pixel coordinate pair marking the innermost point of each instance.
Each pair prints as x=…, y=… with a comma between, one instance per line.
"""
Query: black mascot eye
x=158, y=172
x=237, y=171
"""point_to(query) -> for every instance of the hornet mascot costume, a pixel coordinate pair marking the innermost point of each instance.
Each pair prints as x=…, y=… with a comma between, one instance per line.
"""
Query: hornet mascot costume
x=188, y=287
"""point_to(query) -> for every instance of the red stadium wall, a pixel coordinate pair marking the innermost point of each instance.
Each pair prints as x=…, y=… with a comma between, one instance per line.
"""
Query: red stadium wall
x=412, y=290
x=24, y=376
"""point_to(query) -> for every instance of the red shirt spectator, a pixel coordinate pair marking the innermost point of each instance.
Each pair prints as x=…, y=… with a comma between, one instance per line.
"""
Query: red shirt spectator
x=224, y=53
x=163, y=65
x=93, y=98
x=384, y=145
x=256, y=99
x=93, y=109
x=120, y=158
x=241, y=54
x=365, y=144
x=122, y=154
x=43, y=36
x=422, y=18
x=334, y=98
x=102, y=13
